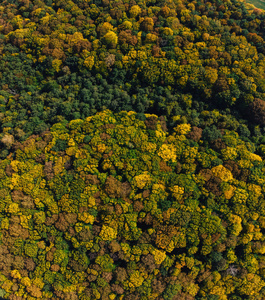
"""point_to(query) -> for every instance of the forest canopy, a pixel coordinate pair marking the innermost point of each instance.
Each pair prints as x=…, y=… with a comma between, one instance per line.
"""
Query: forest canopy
x=64, y=60
x=132, y=150
x=113, y=207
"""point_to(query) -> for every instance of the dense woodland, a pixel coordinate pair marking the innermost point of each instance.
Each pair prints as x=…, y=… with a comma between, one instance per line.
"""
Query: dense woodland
x=132, y=147
x=66, y=60
x=113, y=207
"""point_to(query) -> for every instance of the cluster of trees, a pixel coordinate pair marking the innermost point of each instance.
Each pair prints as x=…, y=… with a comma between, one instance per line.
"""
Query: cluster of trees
x=115, y=206
x=132, y=150
x=64, y=60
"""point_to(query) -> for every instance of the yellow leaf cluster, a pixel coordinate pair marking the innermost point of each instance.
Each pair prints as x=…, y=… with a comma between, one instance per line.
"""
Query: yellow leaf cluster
x=78, y=227
x=158, y=187
x=256, y=189
x=192, y=289
x=15, y=274
x=168, y=152
x=38, y=282
x=39, y=217
x=231, y=257
x=7, y=285
x=219, y=290
x=149, y=147
x=245, y=164
x=136, y=279
x=136, y=250
x=160, y=134
x=211, y=75
x=222, y=173
x=229, y=193
x=24, y=221
x=13, y=208
x=127, y=25
x=56, y=63
x=159, y=256
x=108, y=233
x=101, y=148
x=189, y=154
x=235, y=219
x=111, y=38
x=86, y=218
x=229, y=153
x=135, y=11
x=240, y=196
x=254, y=156
x=106, y=26
x=142, y=180
x=177, y=191
x=133, y=55
x=182, y=128
x=168, y=31
x=251, y=285
x=59, y=166
x=150, y=38
x=141, y=55
x=112, y=296
x=89, y=62
x=26, y=281
x=236, y=227
x=15, y=164
x=5, y=223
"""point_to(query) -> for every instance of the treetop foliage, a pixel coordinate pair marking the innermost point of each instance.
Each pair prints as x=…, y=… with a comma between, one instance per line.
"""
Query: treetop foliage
x=113, y=206
x=64, y=60
x=132, y=150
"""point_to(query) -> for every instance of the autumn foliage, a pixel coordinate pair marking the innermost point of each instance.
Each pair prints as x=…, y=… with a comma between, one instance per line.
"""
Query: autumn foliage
x=132, y=150
x=62, y=60
x=112, y=206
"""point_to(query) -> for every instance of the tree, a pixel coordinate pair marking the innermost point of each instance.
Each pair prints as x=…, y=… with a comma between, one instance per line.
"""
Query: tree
x=256, y=111
x=111, y=39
